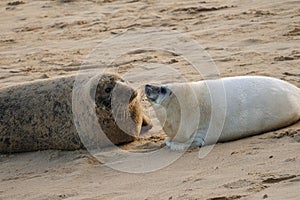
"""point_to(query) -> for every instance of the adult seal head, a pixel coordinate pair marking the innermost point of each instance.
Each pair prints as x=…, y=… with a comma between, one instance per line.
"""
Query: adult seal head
x=118, y=109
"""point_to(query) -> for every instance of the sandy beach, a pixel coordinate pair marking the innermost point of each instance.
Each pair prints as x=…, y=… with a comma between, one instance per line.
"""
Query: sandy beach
x=51, y=38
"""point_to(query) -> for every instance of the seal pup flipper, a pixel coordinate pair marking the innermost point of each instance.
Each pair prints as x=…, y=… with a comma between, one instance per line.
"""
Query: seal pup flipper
x=176, y=146
x=197, y=141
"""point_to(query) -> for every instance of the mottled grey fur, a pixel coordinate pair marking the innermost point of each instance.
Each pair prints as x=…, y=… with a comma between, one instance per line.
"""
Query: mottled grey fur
x=38, y=116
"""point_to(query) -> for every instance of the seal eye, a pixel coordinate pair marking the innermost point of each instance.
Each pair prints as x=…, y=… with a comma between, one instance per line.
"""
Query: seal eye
x=163, y=90
x=108, y=89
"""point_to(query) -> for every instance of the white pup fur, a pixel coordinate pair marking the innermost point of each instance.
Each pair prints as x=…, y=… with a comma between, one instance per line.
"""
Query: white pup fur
x=206, y=112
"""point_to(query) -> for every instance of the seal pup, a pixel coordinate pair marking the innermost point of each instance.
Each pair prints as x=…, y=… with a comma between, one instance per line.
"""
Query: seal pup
x=38, y=115
x=250, y=105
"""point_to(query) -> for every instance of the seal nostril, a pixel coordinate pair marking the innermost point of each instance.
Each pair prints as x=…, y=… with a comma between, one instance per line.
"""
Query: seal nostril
x=147, y=92
x=148, y=89
x=163, y=90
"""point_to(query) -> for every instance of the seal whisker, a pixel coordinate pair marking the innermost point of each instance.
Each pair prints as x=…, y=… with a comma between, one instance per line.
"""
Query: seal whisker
x=118, y=111
x=124, y=115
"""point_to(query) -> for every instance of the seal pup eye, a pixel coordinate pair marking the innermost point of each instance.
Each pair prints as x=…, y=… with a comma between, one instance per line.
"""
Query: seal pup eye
x=108, y=89
x=163, y=90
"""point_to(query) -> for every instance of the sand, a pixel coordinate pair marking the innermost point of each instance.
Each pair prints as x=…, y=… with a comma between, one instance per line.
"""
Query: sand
x=51, y=38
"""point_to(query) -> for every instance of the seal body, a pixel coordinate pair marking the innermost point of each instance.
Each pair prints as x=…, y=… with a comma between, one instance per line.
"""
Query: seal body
x=249, y=105
x=39, y=115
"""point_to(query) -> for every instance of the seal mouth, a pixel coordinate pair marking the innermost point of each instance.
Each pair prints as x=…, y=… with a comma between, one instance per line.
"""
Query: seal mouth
x=134, y=94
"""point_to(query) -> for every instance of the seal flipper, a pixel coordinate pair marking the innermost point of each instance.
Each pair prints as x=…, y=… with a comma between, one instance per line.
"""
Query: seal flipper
x=175, y=146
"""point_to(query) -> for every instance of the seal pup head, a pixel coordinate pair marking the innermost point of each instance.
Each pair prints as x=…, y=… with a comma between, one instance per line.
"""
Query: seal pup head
x=157, y=94
x=166, y=106
x=180, y=107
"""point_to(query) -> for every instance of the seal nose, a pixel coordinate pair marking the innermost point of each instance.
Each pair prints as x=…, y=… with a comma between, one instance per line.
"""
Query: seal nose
x=148, y=89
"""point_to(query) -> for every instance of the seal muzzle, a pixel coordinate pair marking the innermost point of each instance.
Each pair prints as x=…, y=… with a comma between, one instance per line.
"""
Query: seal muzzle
x=152, y=92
